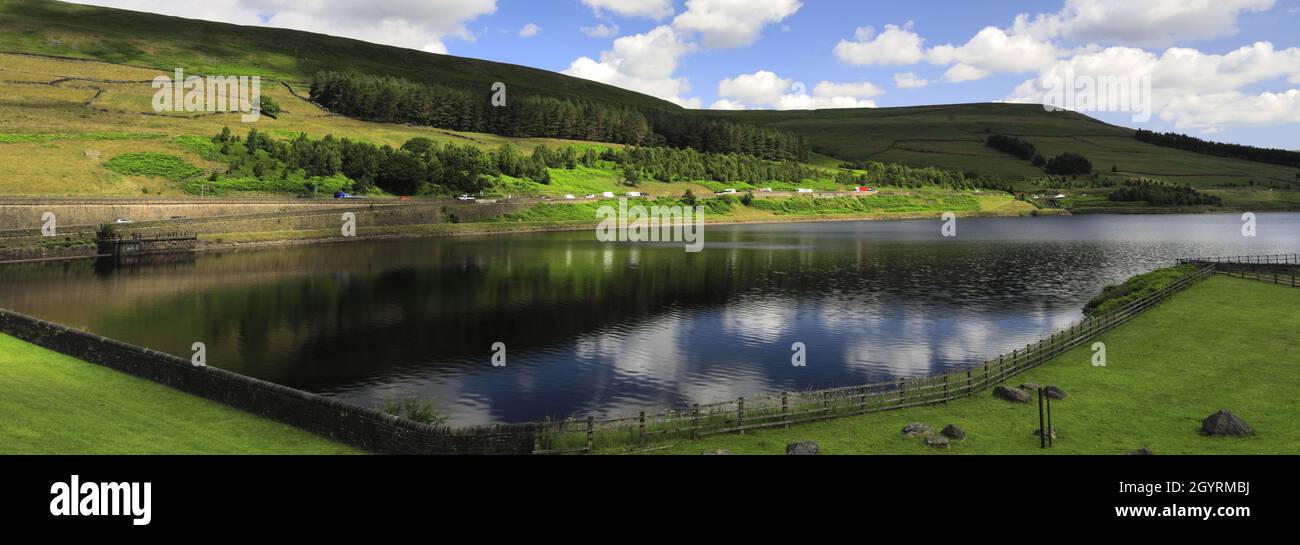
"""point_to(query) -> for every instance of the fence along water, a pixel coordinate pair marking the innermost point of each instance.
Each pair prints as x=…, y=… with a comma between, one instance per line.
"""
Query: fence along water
x=383, y=433
x=790, y=408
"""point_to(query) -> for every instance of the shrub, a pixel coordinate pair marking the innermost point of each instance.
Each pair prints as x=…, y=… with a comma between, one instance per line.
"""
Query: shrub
x=1115, y=297
x=152, y=164
x=414, y=409
x=1069, y=164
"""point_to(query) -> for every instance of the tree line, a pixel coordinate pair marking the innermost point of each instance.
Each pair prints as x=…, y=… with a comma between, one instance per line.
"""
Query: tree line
x=1065, y=164
x=1236, y=151
x=893, y=174
x=1013, y=146
x=421, y=166
x=1161, y=194
x=395, y=100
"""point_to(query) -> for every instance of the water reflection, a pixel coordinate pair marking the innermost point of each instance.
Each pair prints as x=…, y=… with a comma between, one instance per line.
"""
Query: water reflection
x=611, y=329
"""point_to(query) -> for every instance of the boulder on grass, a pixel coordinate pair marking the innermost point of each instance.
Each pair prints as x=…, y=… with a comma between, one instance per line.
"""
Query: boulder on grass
x=936, y=441
x=1144, y=451
x=916, y=428
x=719, y=452
x=1225, y=424
x=1056, y=393
x=1011, y=394
x=1029, y=386
x=953, y=432
x=802, y=448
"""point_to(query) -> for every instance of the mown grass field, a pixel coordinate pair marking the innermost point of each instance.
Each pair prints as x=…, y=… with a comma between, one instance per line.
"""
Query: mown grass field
x=1224, y=344
x=55, y=404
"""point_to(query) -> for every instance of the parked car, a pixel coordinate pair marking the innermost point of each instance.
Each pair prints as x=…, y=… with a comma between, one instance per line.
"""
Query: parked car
x=342, y=195
x=591, y=196
x=569, y=197
x=766, y=190
x=803, y=190
x=727, y=192
x=635, y=194
x=464, y=198
x=608, y=194
x=124, y=220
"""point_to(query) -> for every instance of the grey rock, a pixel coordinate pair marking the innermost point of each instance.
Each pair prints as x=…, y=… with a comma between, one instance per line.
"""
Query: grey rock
x=1144, y=451
x=936, y=441
x=802, y=448
x=951, y=431
x=1225, y=424
x=1055, y=392
x=916, y=428
x=1011, y=394
x=719, y=452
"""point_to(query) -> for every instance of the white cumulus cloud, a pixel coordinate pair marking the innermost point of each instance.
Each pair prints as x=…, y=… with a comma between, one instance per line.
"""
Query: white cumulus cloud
x=732, y=23
x=645, y=63
x=909, y=80
x=765, y=89
x=530, y=30
x=602, y=30
x=1189, y=88
x=897, y=45
x=653, y=9
x=1141, y=22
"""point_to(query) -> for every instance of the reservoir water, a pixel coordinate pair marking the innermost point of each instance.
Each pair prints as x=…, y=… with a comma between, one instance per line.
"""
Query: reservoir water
x=608, y=329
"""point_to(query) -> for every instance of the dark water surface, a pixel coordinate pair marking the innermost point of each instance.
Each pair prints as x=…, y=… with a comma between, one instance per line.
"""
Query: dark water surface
x=610, y=329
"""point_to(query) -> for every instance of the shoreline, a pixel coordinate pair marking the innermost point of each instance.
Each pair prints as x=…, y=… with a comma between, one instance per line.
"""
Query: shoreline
x=284, y=239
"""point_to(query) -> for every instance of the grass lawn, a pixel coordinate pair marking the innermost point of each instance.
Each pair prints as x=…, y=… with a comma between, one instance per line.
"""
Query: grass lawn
x=55, y=404
x=1223, y=344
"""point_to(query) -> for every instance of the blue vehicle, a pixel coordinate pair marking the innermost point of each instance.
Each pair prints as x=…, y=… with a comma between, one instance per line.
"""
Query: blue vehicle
x=342, y=195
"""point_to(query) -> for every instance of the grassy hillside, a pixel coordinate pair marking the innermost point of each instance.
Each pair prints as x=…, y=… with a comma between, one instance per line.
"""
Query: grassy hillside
x=157, y=41
x=952, y=137
x=55, y=404
x=74, y=94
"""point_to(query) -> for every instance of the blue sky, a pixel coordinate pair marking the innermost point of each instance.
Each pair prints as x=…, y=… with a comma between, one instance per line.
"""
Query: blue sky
x=1220, y=69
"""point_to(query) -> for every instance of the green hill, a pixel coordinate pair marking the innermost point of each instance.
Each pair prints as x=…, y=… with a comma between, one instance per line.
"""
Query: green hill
x=158, y=41
x=952, y=136
x=37, y=99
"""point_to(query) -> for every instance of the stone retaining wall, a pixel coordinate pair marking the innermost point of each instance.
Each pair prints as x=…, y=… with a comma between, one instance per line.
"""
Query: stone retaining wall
x=349, y=424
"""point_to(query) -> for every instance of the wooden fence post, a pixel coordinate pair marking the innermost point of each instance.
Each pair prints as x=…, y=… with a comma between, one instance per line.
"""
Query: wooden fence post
x=591, y=434
x=695, y=423
x=785, y=410
x=1042, y=432
x=826, y=406
x=1049, y=421
x=641, y=431
x=970, y=382
x=740, y=415
x=945, y=389
x=863, y=406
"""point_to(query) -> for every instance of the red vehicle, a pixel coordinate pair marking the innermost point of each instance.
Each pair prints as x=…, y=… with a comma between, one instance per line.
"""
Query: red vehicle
x=865, y=189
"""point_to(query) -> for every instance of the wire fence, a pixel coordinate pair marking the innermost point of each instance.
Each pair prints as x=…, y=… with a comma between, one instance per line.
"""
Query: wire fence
x=791, y=408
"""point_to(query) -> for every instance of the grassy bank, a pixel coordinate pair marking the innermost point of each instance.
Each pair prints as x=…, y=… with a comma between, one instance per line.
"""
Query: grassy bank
x=1223, y=344
x=55, y=404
